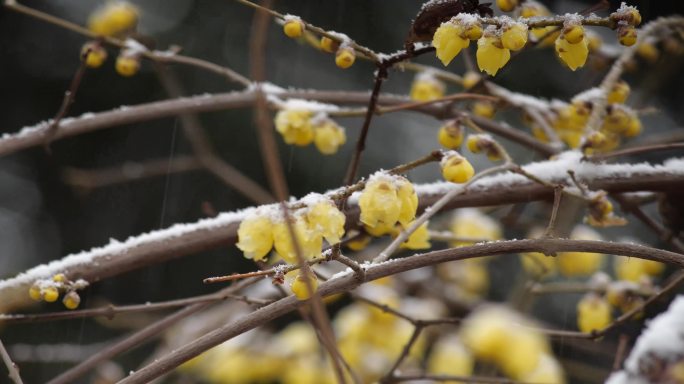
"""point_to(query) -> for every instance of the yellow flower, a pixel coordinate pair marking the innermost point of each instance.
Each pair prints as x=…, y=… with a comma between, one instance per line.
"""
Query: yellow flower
x=593, y=313
x=328, y=137
x=450, y=357
x=491, y=54
x=627, y=35
x=329, y=45
x=426, y=87
x=471, y=78
x=507, y=5
x=379, y=202
x=309, y=241
x=448, y=41
x=408, y=199
x=514, y=36
x=127, y=65
x=50, y=293
x=573, y=55
x=381, y=229
x=456, y=168
x=293, y=27
x=537, y=263
x=255, y=237
x=35, y=292
x=450, y=135
x=471, y=223
x=300, y=288
x=635, y=269
x=345, y=57
x=484, y=109
x=548, y=371
x=295, y=126
x=419, y=239
x=324, y=218
x=113, y=18
x=96, y=55
x=619, y=93
x=573, y=264
x=71, y=300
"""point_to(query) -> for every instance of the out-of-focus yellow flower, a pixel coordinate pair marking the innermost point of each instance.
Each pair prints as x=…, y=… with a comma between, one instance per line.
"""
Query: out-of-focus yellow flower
x=593, y=313
x=573, y=264
x=295, y=126
x=491, y=54
x=419, y=239
x=293, y=27
x=345, y=57
x=426, y=87
x=329, y=137
x=450, y=135
x=255, y=237
x=114, y=18
x=450, y=357
x=471, y=223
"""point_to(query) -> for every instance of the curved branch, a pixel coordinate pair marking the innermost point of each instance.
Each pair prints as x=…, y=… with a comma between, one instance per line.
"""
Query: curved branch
x=350, y=281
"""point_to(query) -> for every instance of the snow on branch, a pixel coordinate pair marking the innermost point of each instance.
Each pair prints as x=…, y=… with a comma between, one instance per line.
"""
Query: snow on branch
x=184, y=239
x=658, y=350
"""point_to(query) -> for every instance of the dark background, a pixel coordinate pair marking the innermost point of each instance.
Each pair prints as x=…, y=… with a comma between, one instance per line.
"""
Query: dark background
x=42, y=219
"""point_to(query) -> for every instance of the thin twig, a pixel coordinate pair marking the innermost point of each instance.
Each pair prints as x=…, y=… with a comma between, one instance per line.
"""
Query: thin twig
x=635, y=151
x=11, y=366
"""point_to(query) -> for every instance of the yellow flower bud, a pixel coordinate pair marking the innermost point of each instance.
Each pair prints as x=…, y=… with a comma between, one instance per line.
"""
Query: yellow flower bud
x=426, y=87
x=255, y=237
x=456, y=168
x=619, y=93
x=301, y=289
x=450, y=135
x=329, y=45
x=50, y=294
x=71, y=300
x=448, y=41
x=345, y=57
x=573, y=55
x=35, y=292
x=514, y=36
x=59, y=278
x=484, y=109
x=648, y=51
x=473, y=31
x=93, y=54
x=127, y=65
x=491, y=54
x=593, y=313
x=293, y=27
x=627, y=35
x=573, y=33
x=507, y=5
x=470, y=79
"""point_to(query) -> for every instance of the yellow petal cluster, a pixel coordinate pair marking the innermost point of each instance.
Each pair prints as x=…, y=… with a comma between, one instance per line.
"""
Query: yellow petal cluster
x=114, y=18
x=454, y=35
x=450, y=357
x=386, y=200
x=266, y=228
x=491, y=54
x=574, y=55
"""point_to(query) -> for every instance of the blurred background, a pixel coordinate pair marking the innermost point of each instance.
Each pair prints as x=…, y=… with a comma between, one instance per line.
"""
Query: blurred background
x=43, y=218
